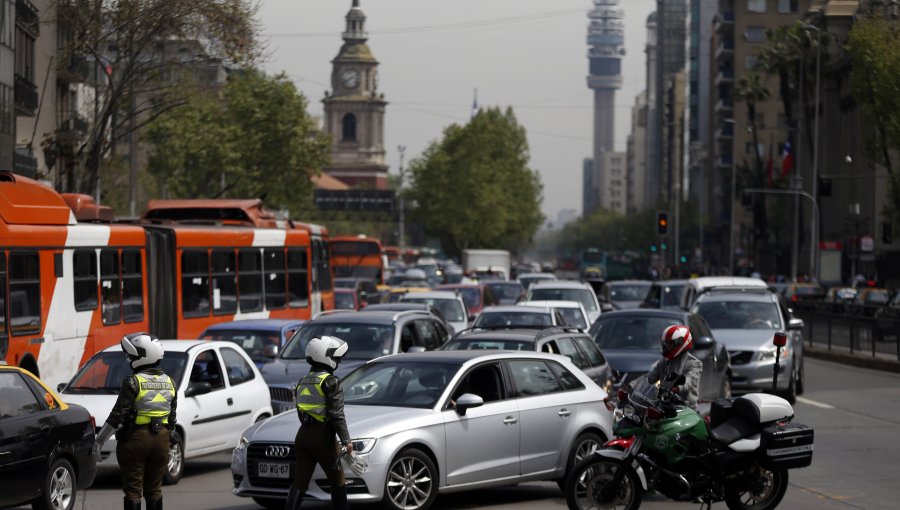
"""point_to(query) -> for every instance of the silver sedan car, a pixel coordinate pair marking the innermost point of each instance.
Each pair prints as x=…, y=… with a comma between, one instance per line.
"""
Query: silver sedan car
x=440, y=422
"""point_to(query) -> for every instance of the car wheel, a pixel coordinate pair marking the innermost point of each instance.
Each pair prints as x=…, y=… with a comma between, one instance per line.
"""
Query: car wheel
x=583, y=447
x=800, y=374
x=269, y=503
x=411, y=482
x=791, y=393
x=176, y=463
x=58, y=488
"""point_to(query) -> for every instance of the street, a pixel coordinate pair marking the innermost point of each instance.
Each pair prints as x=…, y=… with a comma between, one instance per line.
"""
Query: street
x=854, y=411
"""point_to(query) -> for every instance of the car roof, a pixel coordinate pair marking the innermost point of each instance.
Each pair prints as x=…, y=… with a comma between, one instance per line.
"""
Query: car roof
x=751, y=296
x=727, y=281
x=435, y=294
x=464, y=356
x=257, y=324
x=552, y=303
x=460, y=286
x=367, y=316
x=667, y=283
x=646, y=312
x=559, y=284
x=519, y=335
x=515, y=309
x=176, y=345
x=613, y=283
x=542, y=276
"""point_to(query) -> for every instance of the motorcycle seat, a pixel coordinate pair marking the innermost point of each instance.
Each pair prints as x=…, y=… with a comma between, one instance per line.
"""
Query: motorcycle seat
x=733, y=430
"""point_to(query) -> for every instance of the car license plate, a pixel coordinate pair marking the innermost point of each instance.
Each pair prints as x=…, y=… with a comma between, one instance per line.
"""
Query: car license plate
x=274, y=470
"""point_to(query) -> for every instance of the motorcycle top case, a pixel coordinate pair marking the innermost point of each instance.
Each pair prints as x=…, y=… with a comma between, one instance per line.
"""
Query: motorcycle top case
x=787, y=446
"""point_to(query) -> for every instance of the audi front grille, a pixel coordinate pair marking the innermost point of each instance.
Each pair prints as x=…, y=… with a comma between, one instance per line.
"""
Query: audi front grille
x=282, y=399
x=269, y=452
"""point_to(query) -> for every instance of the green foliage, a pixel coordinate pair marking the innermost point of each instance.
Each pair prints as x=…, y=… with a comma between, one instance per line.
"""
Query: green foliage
x=256, y=138
x=874, y=49
x=473, y=189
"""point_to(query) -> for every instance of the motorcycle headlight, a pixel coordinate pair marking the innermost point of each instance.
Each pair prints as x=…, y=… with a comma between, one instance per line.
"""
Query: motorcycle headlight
x=363, y=445
x=628, y=412
x=769, y=352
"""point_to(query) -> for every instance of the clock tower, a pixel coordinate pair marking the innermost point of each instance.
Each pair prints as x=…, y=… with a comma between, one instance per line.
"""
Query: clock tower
x=354, y=111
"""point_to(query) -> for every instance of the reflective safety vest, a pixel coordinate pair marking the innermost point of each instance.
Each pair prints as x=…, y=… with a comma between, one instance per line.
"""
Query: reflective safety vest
x=309, y=397
x=154, y=398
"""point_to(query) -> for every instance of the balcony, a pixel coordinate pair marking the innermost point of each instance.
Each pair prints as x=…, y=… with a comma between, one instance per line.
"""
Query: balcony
x=724, y=161
x=26, y=95
x=71, y=130
x=24, y=163
x=28, y=18
x=74, y=69
x=726, y=132
x=725, y=49
x=724, y=105
x=724, y=22
x=725, y=76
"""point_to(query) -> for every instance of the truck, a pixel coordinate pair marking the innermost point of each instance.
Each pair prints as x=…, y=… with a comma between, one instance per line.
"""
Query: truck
x=495, y=263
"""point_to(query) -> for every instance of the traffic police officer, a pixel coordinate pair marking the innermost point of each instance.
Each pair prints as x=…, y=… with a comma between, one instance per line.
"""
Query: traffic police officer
x=143, y=420
x=320, y=404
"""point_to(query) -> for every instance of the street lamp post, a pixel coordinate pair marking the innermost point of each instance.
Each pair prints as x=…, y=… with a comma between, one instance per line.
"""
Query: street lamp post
x=797, y=193
x=814, y=232
x=402, y=150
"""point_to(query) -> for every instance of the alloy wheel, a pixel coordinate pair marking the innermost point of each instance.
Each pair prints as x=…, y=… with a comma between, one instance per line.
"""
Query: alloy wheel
x=410, y=483
x=61, y=488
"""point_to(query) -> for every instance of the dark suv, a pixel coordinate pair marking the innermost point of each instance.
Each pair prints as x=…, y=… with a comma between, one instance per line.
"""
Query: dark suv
x=575, y=345
x=370, y=334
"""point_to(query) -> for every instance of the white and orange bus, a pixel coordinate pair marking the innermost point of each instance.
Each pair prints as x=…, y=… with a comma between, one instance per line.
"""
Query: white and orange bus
x=73, y=281
x=357, y=256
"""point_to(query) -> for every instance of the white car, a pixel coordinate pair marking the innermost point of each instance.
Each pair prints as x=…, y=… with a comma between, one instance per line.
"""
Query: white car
x=566, y=290
x=449, y=304
x=220, y=393
x=572, y=312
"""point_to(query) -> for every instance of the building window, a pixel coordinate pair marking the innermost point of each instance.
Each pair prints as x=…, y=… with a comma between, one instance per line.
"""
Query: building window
x=755, y=34
x=750, y=62
x=349, y=128
x=756, y=5
x=787, y=6
x=7, y=23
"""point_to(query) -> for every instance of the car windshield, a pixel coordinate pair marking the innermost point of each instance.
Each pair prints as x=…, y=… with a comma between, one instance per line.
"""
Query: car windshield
x=344, y=301
x=450, y=309
x=418, y=385
x=358, y=271
x=573, y=317
x=583, y=296
x=522, y=319
x=105, y=372
x=506, y=291
x=633, y=292
x=365, y=341
x=671, y=295
x=471, y=296
x=739, y=315
x=636, y=332
x=253, y=342
x=463, y=344
x=344, y=283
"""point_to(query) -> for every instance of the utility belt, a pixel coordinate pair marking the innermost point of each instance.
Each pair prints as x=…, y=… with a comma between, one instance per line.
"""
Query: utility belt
x=155, y=425
x=308, y=420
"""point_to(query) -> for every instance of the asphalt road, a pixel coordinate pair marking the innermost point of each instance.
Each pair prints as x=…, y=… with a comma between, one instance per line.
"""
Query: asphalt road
x=855, y=413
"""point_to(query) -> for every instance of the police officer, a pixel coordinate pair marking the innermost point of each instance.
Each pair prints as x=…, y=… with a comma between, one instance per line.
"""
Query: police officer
x=675, y=344
x=320, y=404
x=143, y=420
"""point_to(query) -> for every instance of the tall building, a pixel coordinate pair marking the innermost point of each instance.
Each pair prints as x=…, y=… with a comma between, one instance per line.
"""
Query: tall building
x=651, y=176
x=614, y=189
x=637, y=155
x=588, y=188
x=671, y=51
x=31, y=54
x=354, y=111
x=606, y=37
x=7, y=83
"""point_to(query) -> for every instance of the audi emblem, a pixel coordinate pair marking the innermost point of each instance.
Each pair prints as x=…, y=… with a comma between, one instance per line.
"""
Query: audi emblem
x=278, y=451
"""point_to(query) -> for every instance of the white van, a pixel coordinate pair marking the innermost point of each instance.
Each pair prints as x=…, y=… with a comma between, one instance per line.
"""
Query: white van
x=697, y=286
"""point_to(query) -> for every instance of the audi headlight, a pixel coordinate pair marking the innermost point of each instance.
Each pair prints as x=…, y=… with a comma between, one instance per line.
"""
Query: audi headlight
x=364, y=445
x=768, y=353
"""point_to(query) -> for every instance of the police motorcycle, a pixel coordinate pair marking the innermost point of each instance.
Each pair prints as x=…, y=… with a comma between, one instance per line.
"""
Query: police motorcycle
x=741, y=455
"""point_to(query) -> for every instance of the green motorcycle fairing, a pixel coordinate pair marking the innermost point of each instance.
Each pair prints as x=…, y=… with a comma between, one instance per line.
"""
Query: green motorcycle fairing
x=667, y=436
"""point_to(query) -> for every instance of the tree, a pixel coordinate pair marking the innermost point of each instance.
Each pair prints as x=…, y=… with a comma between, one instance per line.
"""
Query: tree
x=255, y=138
x=874, y=49
x=751, y=89
x=133, y=48
x=473, y=189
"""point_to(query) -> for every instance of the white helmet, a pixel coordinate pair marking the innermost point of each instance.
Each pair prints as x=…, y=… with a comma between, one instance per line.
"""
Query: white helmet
x=326, y=351
x=142, y=349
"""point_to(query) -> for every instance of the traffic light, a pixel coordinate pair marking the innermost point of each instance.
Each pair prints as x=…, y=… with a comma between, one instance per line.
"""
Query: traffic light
x=886, y=233
x=653, y=248
x=662, y=223
x=664, y=247
x=683, y=259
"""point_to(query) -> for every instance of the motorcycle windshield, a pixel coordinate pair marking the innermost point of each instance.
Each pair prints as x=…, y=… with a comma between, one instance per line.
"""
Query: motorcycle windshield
x=643, y=395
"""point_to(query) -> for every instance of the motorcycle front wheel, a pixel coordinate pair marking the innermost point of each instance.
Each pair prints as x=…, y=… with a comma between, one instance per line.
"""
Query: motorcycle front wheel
x=589, y=486
x=761, y=489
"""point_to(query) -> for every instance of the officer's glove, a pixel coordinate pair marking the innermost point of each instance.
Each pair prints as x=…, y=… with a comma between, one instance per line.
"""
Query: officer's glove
x=105, y=432
x=95, y=451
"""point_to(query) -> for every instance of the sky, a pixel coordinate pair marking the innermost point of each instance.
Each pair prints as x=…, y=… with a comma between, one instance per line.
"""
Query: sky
x=527, y=54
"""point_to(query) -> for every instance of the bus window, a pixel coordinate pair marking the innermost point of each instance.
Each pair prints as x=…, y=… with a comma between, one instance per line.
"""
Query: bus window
x=195, y=283
x=250, y=280
x=24, y=293
x=320, y=266
x=224, y=282
x=276, y=291
x=110, y=287
x=298, y=281
x=132, y=286
x=4, y=343
x=84, y=263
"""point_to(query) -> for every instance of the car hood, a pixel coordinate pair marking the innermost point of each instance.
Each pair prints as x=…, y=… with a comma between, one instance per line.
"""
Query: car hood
x=363, y=421
x=631, y=361
x=744, y=339
x=99, y=406
x=286, y=372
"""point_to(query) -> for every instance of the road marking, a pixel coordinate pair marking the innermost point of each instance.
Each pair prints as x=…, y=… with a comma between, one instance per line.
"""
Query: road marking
x=814, y=403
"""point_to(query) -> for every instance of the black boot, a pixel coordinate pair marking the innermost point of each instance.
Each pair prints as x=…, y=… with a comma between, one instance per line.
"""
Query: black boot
x=155, y=505
x=132, y=505
x=294, y=500
x=339, y=498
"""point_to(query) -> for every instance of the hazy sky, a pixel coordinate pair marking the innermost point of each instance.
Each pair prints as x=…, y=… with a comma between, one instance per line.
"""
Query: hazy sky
x=528, y=54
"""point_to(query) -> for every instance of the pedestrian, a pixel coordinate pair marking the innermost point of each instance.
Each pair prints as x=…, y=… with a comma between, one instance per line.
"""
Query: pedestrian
x=320, y=405
x=143, y=420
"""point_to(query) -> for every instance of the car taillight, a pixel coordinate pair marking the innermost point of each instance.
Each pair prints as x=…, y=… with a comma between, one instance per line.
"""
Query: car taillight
x=795, y=298
x=653, y=413
x=94, y=423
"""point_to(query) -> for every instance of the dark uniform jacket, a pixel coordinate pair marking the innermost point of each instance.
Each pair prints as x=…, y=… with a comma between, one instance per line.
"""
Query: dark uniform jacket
x=334, y=407
x=124, y=411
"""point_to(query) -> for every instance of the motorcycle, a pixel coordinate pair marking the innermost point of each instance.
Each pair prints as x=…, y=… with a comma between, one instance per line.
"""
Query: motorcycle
x=740, y=454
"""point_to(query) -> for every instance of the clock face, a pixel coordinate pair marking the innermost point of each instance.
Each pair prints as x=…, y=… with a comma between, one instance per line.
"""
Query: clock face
x=350, y=78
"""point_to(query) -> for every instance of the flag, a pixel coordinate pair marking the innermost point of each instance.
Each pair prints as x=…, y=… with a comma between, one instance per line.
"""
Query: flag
x=770, y=163
x=787, y=159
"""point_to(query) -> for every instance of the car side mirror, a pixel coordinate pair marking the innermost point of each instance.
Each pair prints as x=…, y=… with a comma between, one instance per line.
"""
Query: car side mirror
x=472, y=318
x=703, y=342
x=795, y=324
x=270, y=351
x=606, y=307
x=198, y=388
x=467, y=401
x=60, y=387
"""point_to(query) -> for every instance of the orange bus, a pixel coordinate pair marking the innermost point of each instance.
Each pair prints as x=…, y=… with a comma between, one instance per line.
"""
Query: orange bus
x=357, y=256
x=73, y=282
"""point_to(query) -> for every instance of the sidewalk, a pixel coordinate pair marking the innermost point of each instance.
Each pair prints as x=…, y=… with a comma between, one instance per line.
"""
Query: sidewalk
x=864, y=359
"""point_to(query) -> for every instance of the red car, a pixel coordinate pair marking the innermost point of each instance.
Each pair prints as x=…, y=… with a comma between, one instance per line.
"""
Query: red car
x=346, y=299
x=475, y=296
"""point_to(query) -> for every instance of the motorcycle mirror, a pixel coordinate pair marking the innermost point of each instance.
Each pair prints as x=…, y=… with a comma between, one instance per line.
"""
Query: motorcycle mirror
x=780, y=339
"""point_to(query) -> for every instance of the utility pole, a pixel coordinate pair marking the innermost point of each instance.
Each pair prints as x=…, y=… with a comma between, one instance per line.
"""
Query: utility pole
x=402, y=150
